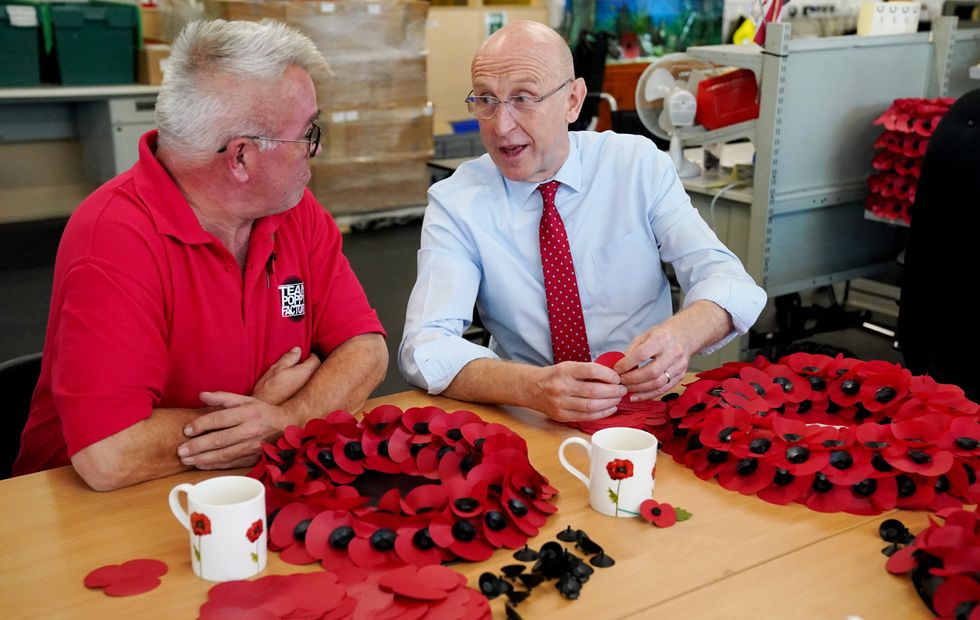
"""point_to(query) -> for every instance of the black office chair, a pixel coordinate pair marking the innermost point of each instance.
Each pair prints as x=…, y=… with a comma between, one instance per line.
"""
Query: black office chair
x=18, y=378
x=937, y=329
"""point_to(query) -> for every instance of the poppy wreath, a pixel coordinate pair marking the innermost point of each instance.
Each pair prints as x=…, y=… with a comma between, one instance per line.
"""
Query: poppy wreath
x=942, y=561
x=487, y=496
x=834, y=434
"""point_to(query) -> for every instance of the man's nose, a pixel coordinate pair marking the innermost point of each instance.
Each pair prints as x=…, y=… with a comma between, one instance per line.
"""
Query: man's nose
x=503, y=120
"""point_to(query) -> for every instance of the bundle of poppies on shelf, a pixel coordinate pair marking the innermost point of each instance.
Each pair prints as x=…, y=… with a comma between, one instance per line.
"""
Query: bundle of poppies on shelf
x=835, y=434
x=487, y=496
x=943, y=561
x=908, y=125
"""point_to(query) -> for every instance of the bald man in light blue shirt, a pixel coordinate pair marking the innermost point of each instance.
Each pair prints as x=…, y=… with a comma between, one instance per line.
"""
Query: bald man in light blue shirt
x=624, y=211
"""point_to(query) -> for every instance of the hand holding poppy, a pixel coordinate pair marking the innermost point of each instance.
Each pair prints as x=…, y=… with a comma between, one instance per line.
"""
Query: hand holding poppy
x=669, y=346
x=575, y=391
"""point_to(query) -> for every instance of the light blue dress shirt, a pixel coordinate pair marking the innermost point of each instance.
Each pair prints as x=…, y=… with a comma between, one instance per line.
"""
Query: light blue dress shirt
x=624, y=210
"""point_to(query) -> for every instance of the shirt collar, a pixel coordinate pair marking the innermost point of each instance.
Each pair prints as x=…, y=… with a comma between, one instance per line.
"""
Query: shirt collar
x=569, y=175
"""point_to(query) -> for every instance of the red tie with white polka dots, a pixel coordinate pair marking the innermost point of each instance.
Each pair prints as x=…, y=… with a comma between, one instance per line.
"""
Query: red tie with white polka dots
x=569, y=341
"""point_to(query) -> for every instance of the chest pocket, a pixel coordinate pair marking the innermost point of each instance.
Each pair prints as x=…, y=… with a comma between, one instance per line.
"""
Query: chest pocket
x=629, y=272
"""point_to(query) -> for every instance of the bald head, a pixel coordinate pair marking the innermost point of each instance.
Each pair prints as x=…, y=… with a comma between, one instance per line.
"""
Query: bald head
x=528, y=46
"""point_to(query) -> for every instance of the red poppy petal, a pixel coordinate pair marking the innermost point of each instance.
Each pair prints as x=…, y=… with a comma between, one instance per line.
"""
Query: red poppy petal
x=145, y=567
x=104, y=575
x=406, y=582
x=609, y=358
x=128, y=586
x=901, y=561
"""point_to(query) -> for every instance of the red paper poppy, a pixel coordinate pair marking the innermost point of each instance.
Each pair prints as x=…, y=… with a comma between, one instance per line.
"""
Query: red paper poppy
x=620, y=469
x=254, y=531
x=200, y=524
x=660, y=514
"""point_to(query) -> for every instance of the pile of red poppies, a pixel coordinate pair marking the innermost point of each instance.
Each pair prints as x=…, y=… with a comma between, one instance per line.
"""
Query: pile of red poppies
x=487, y=494
x=908, y=125
x=943, y=560
x=835, y=434
x=405, y=593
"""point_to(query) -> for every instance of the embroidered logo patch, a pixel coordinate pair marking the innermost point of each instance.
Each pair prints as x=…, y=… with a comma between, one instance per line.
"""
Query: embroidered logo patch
x=293, y=296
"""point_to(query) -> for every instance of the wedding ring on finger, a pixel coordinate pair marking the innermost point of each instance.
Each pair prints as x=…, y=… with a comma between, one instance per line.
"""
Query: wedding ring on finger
x=667, y=374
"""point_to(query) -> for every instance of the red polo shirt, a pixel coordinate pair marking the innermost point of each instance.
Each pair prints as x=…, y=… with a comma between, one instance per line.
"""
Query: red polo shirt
x=148, y=309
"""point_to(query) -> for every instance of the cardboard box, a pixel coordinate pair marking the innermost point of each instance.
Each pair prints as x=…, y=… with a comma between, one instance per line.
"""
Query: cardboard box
x=340, y=26
x=373, y=131
x=370, y=184
x=152, y=63
x=151, y=23
x=374, y=79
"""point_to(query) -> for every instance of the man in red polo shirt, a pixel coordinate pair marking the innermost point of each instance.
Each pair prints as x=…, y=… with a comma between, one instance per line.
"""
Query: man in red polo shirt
x=195, y=295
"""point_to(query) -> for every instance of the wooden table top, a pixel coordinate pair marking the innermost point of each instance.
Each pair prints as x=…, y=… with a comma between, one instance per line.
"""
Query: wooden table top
x=736, y=557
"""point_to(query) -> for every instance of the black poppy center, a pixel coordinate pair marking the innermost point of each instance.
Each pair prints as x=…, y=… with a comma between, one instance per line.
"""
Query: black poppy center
x=821, y=484
x=784, y=383
x=455, y=434
x=353, y=450
x=746, y=467
x=839, y=459
x=885, y=394
x=879, y=463
x=464, y=531
x=383, y=448
x=967, y=443
x=422, y=540
x=495, y=520
x=299, y=532
x=466, y=504
x=341, y=537
x=783, y=477
x=866, y=487
x=761, y=391
x=697, y=408
x=797, y=454
x=759, y=445
x=325, y=457
x=422, y=428
x=716, y=457
x=850, y=387
x=725, y=436
x=919, y=457
x=517, y=507
x=906, y=486
x=383, y=539
x=817, y=383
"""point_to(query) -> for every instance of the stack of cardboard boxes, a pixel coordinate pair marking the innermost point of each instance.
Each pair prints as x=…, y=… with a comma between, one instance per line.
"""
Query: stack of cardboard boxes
x=153, y=56
x=375, y=114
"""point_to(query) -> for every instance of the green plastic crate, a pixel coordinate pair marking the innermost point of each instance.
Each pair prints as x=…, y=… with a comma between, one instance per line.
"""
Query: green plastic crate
x=95, y=43
x=20, y=46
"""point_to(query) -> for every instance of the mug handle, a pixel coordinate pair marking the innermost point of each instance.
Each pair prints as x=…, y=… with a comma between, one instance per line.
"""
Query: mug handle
x=571, y=469
x=175, y=506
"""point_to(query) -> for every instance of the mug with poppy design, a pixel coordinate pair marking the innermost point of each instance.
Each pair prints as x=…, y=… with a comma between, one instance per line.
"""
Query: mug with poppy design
x=225, y=517
x=621, y=472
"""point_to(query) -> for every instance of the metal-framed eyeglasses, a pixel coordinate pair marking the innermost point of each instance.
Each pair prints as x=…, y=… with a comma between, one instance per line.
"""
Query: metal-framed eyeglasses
x=312, y=140
x=485, y=106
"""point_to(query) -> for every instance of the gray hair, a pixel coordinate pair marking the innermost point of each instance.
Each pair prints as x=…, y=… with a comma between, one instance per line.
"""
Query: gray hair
x=200, y=106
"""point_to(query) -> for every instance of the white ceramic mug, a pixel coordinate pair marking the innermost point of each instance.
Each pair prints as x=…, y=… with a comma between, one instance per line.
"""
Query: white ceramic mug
x=226, y=520
x=621, y=475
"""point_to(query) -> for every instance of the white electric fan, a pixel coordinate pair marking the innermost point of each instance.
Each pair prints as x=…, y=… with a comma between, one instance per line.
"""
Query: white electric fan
x=665, y=104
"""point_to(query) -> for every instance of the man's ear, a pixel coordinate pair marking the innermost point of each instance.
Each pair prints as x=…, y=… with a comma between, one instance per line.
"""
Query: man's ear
x=240, y=158
x=575, y=99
